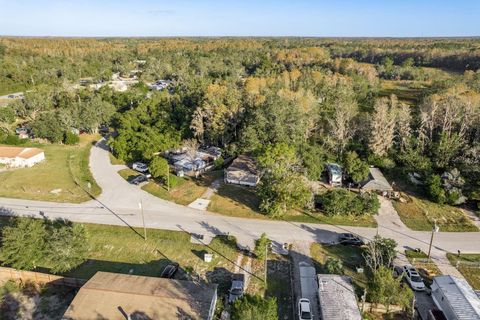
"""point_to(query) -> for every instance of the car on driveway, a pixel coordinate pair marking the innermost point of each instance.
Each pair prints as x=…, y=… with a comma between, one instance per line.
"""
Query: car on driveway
x=169, y=270
x=237, y=287
x=413, y=278
x=140, y=167
x=139, y=179
x=350, y=239
x=304, y=310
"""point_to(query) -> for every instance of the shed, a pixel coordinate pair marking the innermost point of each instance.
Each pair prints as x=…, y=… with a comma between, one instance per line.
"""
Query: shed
x=18, y=157
x=337, y=298
x=455, y=298
x=243, y=171
x=376, y=181
x=117, y=296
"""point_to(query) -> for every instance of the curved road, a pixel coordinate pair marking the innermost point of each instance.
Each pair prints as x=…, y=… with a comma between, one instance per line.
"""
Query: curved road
x=119, y=205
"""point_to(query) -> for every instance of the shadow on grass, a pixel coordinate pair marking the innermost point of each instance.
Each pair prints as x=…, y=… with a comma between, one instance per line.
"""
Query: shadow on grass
x=242, y=195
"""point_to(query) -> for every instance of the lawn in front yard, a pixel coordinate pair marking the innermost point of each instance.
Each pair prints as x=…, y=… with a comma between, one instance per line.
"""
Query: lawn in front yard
x=420, y=214
x=351, y=257
x=469, y=267
x=63, y=168
x=240, y=201
x=120, y=249
x=186, y=190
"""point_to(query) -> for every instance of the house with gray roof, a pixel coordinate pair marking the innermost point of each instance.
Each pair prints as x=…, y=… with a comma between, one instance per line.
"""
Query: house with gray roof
x=376, y=181
x=337, y=298
x=455, y=298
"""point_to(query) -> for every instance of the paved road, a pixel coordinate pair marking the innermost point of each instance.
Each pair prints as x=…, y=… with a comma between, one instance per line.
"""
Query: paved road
x=118, y=205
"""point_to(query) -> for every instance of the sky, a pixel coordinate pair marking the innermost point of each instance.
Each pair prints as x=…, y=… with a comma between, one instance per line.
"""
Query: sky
x=334, y=18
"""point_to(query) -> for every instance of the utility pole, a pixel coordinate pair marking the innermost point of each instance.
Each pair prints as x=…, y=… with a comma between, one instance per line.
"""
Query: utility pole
x=413, y=307
x=364, y=297
x=435, y=229
x=267, y=246
x=140, y=204
x=168, y=178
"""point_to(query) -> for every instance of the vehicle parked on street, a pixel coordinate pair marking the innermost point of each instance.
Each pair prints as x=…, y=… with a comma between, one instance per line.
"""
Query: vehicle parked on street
x=350, y=239
x=170, y=270
x=413, y=278
x=139, y=179
x=237, y=288
x=304, y=310
x=140, y=167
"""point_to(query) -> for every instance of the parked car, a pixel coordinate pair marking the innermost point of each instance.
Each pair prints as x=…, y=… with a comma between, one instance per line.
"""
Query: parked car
x=170, y=270
x=350, y=239
x=413, y=278
x=304, y=310
x=139, y=179
x=140, y=167
x=237, y=287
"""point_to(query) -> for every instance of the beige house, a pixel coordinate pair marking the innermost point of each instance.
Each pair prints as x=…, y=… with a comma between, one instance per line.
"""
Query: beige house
x=117, y=296
x=17, y=157
x=243, y=171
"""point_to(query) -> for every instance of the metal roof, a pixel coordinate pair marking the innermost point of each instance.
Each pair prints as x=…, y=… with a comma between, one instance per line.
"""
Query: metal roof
x=460, y=296
x=337, y=298
x=376, y=181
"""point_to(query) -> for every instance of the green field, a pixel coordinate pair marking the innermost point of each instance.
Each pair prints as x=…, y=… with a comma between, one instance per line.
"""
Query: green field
x=240, y=201
x=65, y=170
x=470, y=272
x=420, y=214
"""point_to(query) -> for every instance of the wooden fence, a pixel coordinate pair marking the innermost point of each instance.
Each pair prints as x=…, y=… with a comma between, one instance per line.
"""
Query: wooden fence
x=38, y=277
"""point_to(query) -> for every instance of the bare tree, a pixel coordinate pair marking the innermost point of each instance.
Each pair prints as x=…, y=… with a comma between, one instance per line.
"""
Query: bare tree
x=340, y=124
x=191, y=147
x=402, y=125
x=382, y=125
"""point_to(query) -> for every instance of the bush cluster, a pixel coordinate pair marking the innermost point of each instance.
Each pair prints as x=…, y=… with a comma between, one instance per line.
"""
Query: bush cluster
x=344, y=202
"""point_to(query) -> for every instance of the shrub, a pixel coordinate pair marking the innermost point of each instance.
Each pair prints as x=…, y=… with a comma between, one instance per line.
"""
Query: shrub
x=344, y=202
x=13, y=140
x=70, y=138
x=218, y=163
x=334, y=266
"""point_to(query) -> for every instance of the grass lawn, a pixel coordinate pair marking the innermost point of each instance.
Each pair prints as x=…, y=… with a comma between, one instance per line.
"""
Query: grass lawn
x=185, y=192
x=114, y=160
x=419, y=214
x=240, y=201
x=279, y=285
x=350, y=256
x=470, y=272
x=64, y=167
x=120, y=249
x=123, y=250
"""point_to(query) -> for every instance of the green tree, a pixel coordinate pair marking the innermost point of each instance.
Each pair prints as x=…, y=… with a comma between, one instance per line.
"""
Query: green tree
x=387, y=290
x=261, y=245
x=159, y=168
x=254, y=308
x=67, y=246
x=70, y=138
x=380, y=252
x=333, y=266
x=24, y=243
x=435, y=189
x=281, y=187
x=7, y=115
x=48, y=126
x=356, y=168
x=313, y=159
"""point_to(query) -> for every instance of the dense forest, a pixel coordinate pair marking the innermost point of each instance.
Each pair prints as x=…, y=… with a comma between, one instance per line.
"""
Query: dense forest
x=294, y=103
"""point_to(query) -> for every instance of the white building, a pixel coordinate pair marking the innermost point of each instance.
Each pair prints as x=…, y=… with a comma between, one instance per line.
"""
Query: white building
x=455, y=298
x=16, y=157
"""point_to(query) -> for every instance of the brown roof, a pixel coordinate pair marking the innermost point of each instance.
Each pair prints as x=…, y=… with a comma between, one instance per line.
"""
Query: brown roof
x=243, y=163
x=107, y=294
x=14, y=152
